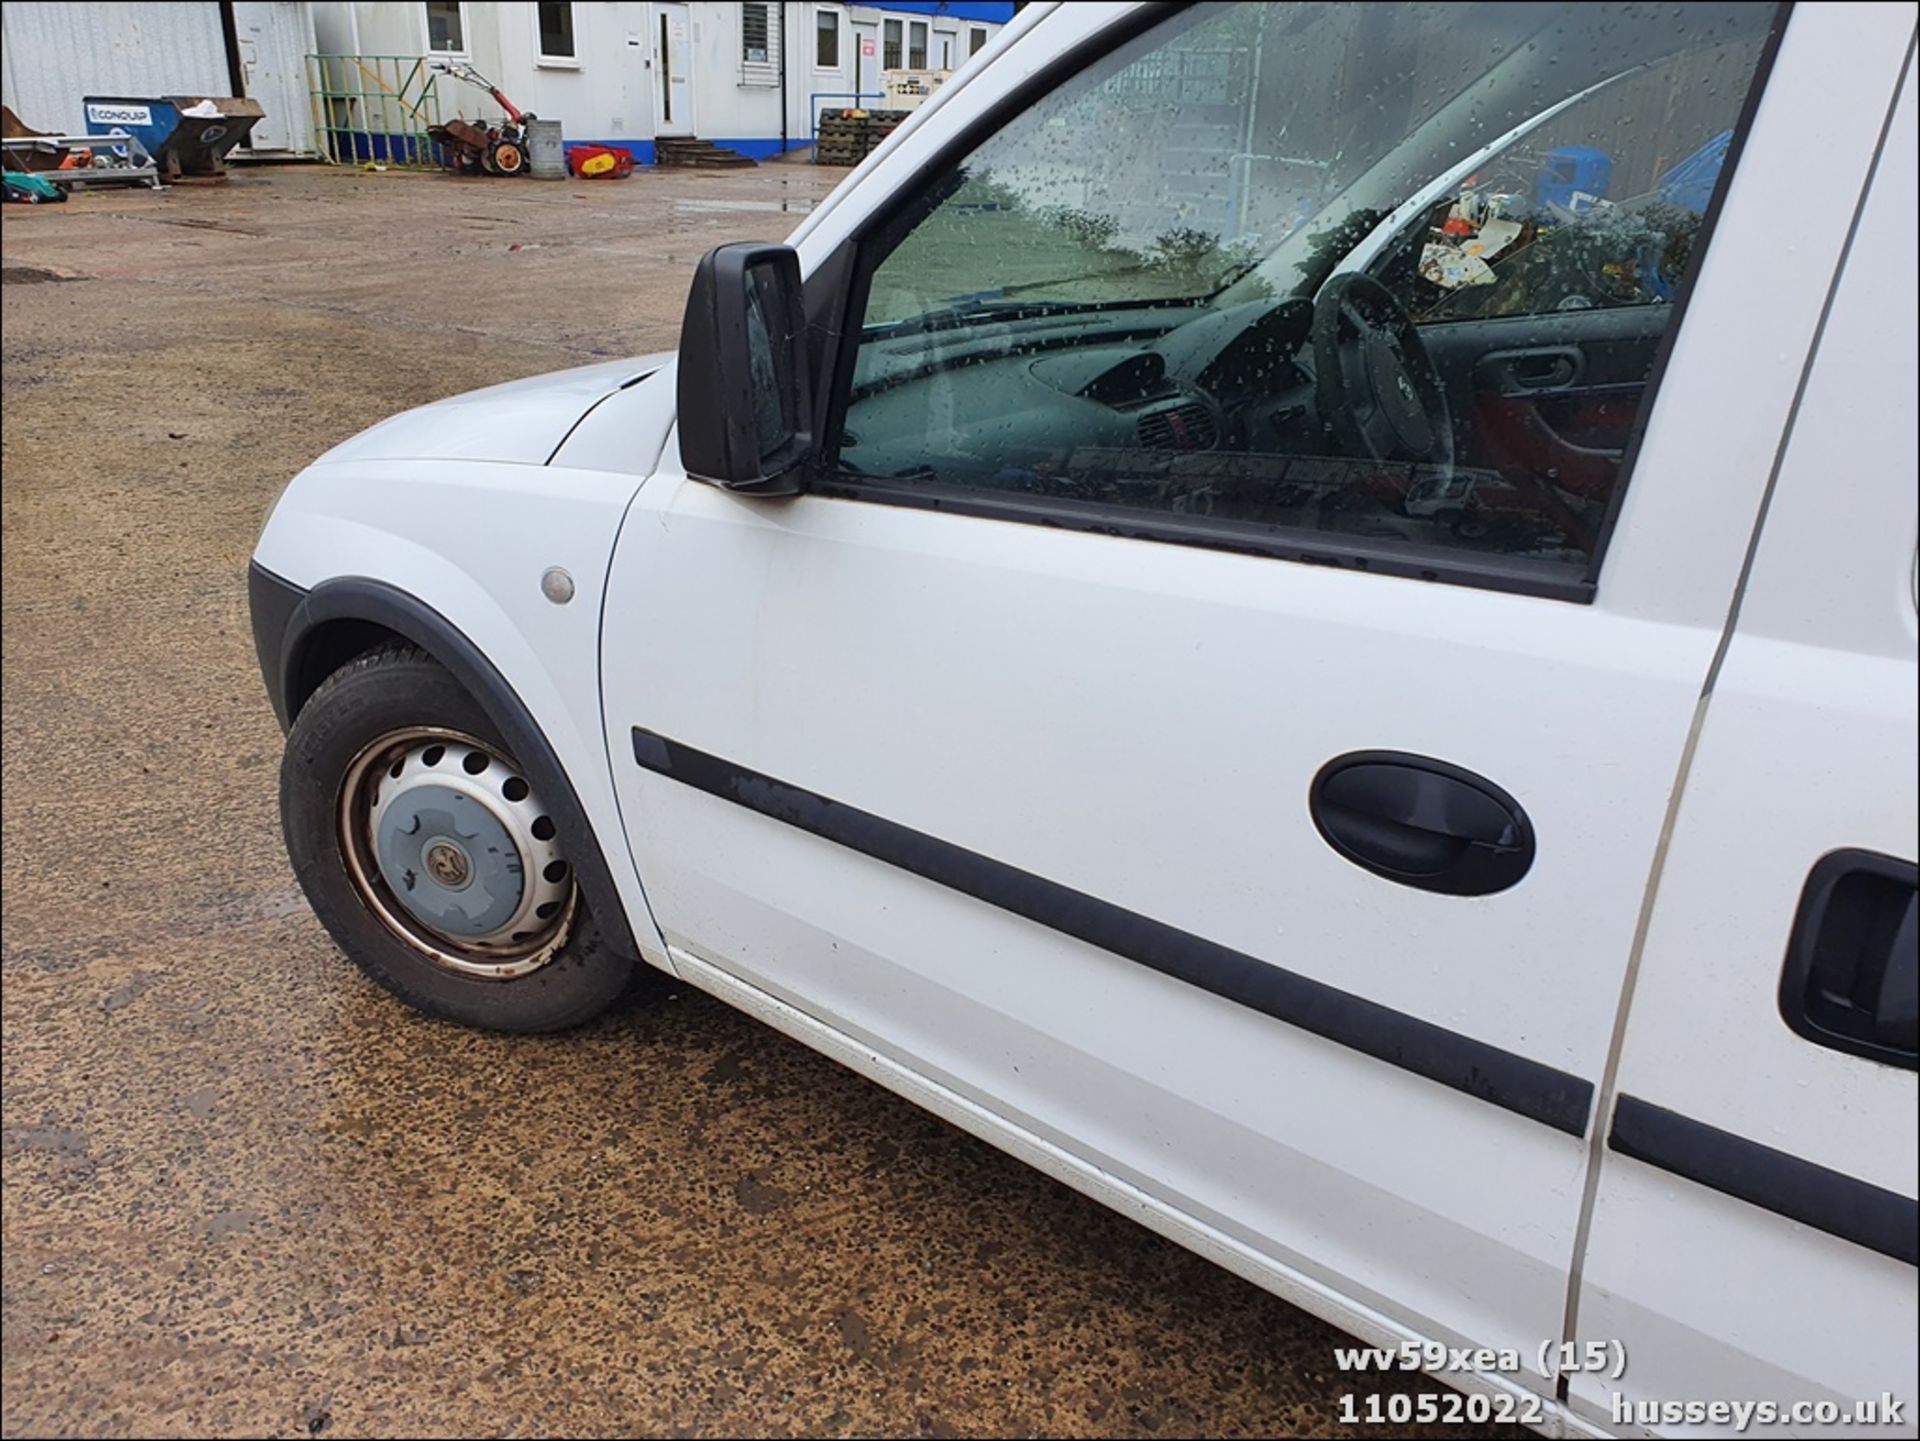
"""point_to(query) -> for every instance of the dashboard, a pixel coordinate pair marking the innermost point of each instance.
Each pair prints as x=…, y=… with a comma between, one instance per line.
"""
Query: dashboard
x=1013, y=403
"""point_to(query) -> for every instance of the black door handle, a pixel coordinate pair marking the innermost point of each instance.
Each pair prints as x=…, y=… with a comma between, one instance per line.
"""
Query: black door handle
x=1852, y=977
x=1422, y=822
x=1543, y=372
x=1516, y=372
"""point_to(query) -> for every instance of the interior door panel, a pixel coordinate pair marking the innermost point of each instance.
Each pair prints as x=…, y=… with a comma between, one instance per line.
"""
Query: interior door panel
x=1536, y=392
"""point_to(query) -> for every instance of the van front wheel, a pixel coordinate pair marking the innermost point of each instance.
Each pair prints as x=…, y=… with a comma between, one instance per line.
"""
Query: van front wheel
x=430, y=859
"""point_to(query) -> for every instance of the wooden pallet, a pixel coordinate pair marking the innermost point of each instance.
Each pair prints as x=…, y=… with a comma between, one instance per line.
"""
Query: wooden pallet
x=846, y=138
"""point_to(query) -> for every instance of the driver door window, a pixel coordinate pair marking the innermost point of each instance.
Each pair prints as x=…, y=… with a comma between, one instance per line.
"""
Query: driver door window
x=1179, y=296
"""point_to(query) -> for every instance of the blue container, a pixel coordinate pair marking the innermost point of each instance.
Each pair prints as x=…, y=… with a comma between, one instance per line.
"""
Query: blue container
x=180, y=144
x=1572, y=178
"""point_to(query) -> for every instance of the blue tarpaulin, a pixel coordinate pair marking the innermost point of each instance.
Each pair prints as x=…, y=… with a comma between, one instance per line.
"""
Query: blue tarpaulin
x=985, y=11
x=1691, y=182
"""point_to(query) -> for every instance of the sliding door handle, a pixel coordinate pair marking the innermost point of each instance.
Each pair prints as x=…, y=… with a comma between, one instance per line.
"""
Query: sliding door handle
x=1852, y=976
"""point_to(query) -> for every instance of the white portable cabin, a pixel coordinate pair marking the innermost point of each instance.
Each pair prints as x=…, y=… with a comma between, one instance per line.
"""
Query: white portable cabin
x=56, y=53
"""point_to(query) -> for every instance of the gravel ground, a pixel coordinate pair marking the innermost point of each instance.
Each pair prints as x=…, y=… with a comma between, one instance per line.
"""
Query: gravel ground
x=245, y=1193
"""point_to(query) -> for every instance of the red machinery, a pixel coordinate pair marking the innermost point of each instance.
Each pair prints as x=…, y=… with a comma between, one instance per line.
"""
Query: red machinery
x=469, y=148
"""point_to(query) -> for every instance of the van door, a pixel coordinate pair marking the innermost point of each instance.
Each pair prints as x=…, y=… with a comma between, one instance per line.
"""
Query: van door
x=1755, y=1231
x=1093, y=743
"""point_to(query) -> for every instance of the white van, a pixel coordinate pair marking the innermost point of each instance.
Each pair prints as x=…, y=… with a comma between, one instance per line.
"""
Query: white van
x=1303, y=615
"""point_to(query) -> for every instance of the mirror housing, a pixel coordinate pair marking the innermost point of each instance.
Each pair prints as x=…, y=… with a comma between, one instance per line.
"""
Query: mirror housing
x=745, y=400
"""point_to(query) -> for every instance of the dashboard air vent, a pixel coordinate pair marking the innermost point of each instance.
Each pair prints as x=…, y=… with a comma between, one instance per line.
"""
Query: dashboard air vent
x=1187, y=426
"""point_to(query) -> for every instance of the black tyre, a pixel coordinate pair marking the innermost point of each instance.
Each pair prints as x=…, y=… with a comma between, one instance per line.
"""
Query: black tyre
x=430, y=859
x=506, y=157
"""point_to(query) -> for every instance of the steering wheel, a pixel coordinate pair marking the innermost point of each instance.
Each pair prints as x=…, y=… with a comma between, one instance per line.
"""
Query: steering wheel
x=1374, y=382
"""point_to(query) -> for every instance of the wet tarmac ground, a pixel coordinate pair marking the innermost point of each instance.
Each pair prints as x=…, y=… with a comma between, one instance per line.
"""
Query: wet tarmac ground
x=245, y=1193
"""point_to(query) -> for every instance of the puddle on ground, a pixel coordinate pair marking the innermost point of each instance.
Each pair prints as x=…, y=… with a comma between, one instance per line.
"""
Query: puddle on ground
x=708, y=207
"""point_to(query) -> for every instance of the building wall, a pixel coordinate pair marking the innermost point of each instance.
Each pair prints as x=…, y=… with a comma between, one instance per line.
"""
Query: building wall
x=863, y=27
x=608, y=96
x=54, y=54
x=732, y=99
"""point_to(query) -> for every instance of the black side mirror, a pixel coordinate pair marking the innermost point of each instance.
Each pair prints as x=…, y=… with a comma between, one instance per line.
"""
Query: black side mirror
x=744, y=396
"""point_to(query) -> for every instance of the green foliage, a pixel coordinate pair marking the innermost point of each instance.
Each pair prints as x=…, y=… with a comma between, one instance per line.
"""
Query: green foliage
x=1088, y=227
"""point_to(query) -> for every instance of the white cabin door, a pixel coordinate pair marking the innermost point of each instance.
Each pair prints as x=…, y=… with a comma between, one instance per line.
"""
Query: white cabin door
x=673, y=70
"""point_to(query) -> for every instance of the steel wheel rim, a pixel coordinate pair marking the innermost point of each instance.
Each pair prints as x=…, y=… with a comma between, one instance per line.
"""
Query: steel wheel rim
x=476, y=828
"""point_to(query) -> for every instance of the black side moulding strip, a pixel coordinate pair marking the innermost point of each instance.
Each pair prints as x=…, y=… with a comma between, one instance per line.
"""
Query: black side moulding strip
x=1528, y=1088
x=1827, y=1200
